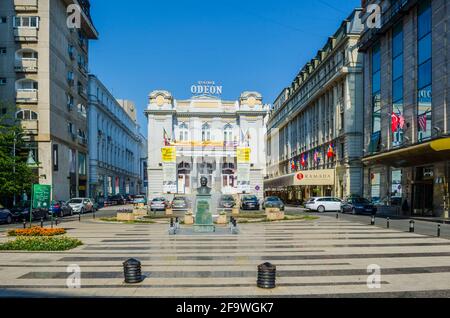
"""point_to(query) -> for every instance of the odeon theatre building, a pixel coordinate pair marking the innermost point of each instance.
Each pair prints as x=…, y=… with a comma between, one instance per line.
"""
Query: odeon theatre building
x=205, y=136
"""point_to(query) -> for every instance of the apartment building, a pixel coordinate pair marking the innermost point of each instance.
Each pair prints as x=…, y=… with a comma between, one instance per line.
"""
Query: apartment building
x=44, y=76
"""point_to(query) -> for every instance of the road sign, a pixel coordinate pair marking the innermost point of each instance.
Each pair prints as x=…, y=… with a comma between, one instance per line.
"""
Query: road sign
x=257, y=188
x=41, y=196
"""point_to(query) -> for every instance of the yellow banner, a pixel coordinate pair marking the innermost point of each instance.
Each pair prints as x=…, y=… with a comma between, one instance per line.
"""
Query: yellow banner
x=169, y=154
x=243, y=155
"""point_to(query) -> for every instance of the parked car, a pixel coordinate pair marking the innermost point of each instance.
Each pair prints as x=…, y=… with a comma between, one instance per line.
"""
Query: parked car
x=60, y=209
x=81, y=205
x=159, y=204
x=227, y=202
x=140, y=199
x=128, y=198
x=250, y=202
x=180, y=203
x=22, y=212
x=273, y=202
x=117, y=199
x=358, y=206
x=323, y=204
x=6, y=216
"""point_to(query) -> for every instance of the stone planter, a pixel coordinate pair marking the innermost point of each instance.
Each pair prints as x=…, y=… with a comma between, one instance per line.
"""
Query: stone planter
x=139, y=213
x=188, y=219
x=125, y=217
x=275, y=215
x=222, y=219
x=235, y=211
x=169, y=212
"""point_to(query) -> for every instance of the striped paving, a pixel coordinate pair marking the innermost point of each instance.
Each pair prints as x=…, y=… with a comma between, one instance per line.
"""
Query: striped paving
x=321, y=258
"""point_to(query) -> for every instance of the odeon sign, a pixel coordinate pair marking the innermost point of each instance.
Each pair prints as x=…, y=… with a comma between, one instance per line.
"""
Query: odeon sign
x=206, y=88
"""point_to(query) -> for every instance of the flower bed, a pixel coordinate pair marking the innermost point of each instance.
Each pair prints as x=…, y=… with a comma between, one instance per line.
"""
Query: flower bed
x=46, y=243
x=36, y=231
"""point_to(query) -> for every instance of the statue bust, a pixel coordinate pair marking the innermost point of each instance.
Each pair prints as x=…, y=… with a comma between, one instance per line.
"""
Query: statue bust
x=204, y=189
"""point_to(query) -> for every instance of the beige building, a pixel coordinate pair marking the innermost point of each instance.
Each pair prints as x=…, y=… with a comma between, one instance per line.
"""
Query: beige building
x=44, y=73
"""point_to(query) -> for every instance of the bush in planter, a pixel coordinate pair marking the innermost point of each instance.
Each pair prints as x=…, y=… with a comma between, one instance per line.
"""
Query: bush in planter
x=43, y=243
x=36, y=231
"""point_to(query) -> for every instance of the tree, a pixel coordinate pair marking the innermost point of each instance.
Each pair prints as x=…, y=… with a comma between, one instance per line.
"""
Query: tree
x=15, y=176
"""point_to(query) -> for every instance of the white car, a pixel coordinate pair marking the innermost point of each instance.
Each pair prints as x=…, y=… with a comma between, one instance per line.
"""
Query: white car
x=323, y=204
x=81, y=205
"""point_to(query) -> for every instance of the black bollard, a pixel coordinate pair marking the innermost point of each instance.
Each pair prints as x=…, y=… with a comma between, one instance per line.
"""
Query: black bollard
x=388, y=223
x=42, y=222
x=56, y=221
x=266, y=276
x=337, y=216
x=439, y=231
x=132, y=271
x=24, y=224
x=411, y=226
x=171, y=222
x=79, y=217
x=93, y=214
x=372, y=220
x=52, y=223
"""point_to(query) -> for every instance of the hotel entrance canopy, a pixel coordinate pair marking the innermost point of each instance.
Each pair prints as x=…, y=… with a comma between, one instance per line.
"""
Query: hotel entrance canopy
x=303, y=178
x=424, y=153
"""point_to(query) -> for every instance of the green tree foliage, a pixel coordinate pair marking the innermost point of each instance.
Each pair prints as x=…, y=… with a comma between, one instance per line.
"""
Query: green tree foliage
x=15, y=176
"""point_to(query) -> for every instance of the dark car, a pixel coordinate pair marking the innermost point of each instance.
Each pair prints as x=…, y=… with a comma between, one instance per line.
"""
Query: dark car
x=358, y=206
x=60, y=209
x=117, y=199
x=273, y=202
x=227, y=202
x=129, y=198
x=250, y=202
x=22, y=212
x=6, y=216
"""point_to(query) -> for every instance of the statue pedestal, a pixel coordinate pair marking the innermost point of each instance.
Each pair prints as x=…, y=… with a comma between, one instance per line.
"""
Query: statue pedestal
x=203, y=214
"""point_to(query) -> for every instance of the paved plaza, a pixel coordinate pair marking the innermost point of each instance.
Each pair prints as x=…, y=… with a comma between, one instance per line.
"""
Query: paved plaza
x=325, y=257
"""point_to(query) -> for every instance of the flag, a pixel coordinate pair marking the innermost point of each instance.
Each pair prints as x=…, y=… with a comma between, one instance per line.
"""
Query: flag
x=242, y=137
x=303, y=162
x=166, y=138
x=293, y=165
x=395, y=122
x=330, y=152
x=401, y=121
x=316, y=156
x=423, y=122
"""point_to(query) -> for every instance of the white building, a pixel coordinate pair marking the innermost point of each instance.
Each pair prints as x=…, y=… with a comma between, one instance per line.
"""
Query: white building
x=205, y=136
x=115, y=144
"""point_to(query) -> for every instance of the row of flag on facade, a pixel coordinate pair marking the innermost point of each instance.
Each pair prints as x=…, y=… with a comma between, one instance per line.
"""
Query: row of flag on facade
x=317, y=158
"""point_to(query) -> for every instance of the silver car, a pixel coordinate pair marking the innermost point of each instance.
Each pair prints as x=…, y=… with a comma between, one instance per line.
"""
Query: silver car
x=81, y=205
x=159, y=204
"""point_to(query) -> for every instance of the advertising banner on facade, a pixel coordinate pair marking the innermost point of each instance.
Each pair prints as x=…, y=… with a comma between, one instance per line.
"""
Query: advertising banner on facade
x=169, y=159
x=314, y=177
x=243, y=155
x=243, y=169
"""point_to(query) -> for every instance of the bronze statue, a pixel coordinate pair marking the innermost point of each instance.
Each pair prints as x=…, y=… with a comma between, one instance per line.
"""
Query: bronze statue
x=204, y=189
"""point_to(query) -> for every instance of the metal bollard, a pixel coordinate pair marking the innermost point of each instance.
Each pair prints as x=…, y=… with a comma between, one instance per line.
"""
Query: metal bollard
x=411, y=226
x=132, y=271
x=56, y=221
x=388, y=223
x=79, y=217
x=93, y=214
x=42, y=222
x=24, y=224
x=52, y=223
x=439, y=231
x=372, y=220
x=337, y=216
x=266, y=276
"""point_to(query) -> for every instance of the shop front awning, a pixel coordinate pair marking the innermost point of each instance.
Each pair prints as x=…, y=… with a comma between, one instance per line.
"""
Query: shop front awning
x=424, y=153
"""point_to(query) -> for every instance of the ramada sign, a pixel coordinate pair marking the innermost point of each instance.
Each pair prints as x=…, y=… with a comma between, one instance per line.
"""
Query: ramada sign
x=317, y=177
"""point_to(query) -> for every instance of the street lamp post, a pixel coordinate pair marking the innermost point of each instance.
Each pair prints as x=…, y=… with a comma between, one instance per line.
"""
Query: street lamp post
x=14, y=162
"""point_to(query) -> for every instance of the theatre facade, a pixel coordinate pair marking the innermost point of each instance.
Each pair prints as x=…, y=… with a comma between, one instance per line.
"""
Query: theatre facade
x=205, y=136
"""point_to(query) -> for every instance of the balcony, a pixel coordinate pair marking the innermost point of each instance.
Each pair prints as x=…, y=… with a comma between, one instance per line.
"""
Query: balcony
x=27, y=96
x=82, y=140
x=26, y=5
x=82, y=92
x=26, y=34
x=26, y=65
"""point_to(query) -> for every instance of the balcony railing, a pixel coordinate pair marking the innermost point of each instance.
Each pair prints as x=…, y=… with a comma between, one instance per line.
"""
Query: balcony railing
x=26, y=5
x=82, y=92
x=27, y=96
x=26, y=65
x=26, y=34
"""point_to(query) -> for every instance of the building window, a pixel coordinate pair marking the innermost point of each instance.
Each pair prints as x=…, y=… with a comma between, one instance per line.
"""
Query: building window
x=376, y=98
x=82, y=110
x=27, y=85
x=4, y=111
x=55, y=158
x=228, y=133
x=70, y=102
x=3, y=81
x=26, y=22
x=2, y=50
x=81, y=164
x=206, y=132
x=397, y=84
x=184, y=132
x=396, y=187
x=70, y=128
x=3, y=19
x=424, y=94
x=26, y=115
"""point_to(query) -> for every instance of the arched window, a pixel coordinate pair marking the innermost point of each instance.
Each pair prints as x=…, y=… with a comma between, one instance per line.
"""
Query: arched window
x=206, y=132
x=26, y=114
x=184, y=132
x=228, y=133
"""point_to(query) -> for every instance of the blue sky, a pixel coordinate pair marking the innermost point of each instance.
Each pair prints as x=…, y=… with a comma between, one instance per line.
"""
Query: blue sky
x=243, y=45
